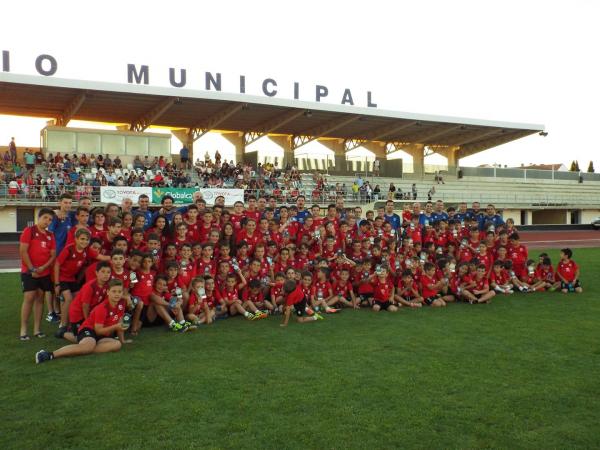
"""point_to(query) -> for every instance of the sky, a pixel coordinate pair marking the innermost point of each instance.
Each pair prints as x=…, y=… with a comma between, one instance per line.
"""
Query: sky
x=519, y=61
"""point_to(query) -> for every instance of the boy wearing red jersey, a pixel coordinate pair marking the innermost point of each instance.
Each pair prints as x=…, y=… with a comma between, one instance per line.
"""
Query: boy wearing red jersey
x=37, y=249
x=231, y=296
x=296, y=299
x=407, y=293
x=480, y=293
x=342, y=289
x=568, y=272
x=383, y=292
x=67, y=268
x=90, y=294
x=545, y=272
x=500, y=279
x=142, y=288
x=431, y=287
x=95, y=333
x=253, y=299
x=166, y=306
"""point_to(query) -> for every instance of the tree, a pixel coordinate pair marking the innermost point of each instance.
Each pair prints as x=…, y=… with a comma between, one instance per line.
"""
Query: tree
x=577, y=169
x=591, y=167
x=573, y=167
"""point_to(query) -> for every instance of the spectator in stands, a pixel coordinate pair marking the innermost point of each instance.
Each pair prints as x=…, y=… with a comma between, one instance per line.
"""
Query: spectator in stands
x=413, y=190
x=7, y=158
x=184, y=156
x=391, y=191
x=117, y=164
x=12, y=148
x=137, y=163
x=430, y=193
x=376, y=193
x=29, y=159
x=438, y=178
x=376, y=165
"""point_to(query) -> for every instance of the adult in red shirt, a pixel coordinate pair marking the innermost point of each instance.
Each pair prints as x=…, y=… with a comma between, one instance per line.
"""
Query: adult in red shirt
x=95, y=333
x=37, y=249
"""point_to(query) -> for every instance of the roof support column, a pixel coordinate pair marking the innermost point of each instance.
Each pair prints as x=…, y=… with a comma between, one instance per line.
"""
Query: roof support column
x=451, y=154
x=339, y=155
x=285, y=142
x=237, y=139
x=417, y=151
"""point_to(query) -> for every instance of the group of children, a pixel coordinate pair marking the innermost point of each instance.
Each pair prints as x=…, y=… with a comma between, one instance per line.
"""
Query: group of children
x=199, y=265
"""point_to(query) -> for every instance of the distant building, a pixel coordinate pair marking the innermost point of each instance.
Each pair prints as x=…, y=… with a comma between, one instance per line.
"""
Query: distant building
x=556, y=167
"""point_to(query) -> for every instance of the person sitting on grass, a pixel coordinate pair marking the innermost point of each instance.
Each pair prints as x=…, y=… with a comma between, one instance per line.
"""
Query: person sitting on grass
x=407, y=293
x=383, y=291
x=500, y=279
x=431, y=287
x=567, y=272
x=167, y=306
x=530, y=279
x=296, y=299
x=480, y=293
x=545, y=272
x=88, y=297
x=95, y=335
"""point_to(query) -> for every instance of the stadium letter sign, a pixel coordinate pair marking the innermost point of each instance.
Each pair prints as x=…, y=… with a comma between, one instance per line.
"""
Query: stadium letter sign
x=47, y=65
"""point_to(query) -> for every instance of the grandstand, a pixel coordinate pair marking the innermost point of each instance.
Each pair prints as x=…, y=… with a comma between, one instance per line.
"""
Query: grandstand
x=529, y=196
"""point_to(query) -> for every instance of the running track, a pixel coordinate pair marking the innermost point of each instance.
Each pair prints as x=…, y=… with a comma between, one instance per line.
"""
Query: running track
x=9, y=251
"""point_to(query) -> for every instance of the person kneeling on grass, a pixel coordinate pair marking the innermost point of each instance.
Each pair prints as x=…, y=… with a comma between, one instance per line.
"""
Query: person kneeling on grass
x=296, y=299
x=95, y=335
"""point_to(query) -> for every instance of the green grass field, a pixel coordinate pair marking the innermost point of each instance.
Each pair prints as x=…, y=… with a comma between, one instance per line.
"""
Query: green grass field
x=521, y=372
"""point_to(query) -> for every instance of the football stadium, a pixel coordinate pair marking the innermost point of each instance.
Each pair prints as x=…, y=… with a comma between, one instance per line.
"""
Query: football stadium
x=161, y=295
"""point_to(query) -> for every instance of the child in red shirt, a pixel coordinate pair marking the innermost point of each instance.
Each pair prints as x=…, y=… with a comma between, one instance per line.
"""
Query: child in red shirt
x=296, y=299
x=407, y=293
x=567, y=272
x=95, y=333
x=383, y=291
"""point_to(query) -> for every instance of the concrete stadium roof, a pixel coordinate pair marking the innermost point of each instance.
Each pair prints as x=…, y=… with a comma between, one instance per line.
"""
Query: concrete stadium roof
x=141, y=106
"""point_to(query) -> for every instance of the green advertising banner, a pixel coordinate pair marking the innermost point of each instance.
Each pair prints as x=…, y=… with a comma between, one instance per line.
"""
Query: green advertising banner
x=180, y=195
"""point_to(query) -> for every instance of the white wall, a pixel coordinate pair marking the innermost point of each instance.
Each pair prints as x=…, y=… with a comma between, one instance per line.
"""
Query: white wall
x=8, y=219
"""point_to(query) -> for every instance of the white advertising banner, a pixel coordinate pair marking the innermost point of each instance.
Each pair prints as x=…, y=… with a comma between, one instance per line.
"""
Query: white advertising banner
x=116, y=194
x=231, y=195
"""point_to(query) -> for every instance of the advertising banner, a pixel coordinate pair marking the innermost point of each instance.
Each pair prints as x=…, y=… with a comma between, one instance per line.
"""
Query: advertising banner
x=189, y=195
x=231, y=195
x=116, y=194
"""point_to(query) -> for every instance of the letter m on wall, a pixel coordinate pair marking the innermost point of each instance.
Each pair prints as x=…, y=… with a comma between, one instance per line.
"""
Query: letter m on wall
x=139, y=76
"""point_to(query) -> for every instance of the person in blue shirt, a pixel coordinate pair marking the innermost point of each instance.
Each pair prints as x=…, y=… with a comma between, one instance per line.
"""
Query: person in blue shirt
x=462, y=214
x=302, y=212
x=439, y=214
x=61, y=222
x=425, y=218
x=168, y=209
x=390, y=216
x=490, y=217
x=143, y=209
x=84, y=202
x=184, y=156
